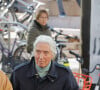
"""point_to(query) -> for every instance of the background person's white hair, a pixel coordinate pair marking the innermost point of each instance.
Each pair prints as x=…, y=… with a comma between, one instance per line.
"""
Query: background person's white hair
x=46, y=39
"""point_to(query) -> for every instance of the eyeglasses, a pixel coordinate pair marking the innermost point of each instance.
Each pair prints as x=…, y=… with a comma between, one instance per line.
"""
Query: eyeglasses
x=43, y=17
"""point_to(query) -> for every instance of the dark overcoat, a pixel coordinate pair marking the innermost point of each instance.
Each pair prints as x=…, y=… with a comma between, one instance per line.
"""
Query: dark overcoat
x=59, y=77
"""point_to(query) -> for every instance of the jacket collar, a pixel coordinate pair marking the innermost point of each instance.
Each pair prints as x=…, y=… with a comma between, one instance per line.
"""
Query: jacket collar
x=31, y=70
x=52, y=74
x=40, y=26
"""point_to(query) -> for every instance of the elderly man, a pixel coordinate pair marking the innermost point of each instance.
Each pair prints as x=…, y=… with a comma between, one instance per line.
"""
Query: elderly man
x=42, y=73
x=4, y=82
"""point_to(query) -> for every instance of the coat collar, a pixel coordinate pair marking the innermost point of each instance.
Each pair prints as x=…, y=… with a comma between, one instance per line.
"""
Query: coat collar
x=31, y=70
x=52, y=74
x=40, y=26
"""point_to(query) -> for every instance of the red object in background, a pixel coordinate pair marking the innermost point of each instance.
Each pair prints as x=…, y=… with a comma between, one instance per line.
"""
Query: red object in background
x=84, y=81
x=1, y=30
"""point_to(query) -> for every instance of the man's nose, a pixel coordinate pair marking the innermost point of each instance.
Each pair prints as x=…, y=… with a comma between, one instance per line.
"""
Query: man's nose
x=41, y=55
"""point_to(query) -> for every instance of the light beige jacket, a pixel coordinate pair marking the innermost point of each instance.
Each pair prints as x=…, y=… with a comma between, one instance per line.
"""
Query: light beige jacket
x=4, y=82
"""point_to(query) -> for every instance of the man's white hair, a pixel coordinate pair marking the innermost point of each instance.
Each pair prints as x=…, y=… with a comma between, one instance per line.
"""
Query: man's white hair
x=46, y=39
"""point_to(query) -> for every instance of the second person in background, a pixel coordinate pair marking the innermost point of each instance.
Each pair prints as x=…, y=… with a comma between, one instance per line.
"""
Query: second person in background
x=38, y=27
